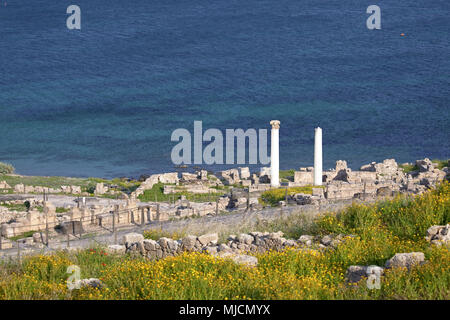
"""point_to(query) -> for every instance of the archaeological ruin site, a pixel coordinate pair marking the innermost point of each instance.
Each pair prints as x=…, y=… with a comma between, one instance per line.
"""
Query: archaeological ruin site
x=57, y=215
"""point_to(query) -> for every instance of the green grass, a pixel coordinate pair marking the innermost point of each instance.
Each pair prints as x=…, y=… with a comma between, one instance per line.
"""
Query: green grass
x=273, y=196
x=49, y=182
x=440, y=163
x=86, y=184
x=157, y=194
x=412, y=167
x=62, y=210
x=23, y=235
x=408, y=167
x=287, y=175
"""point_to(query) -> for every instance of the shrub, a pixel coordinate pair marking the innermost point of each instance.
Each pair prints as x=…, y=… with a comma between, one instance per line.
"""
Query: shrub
x=6, y=168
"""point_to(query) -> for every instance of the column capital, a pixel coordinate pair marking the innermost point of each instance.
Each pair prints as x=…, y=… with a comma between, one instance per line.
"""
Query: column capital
x=275, y=124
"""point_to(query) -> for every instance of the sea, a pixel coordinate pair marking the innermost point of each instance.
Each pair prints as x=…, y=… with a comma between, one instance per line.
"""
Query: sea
x=104, y=100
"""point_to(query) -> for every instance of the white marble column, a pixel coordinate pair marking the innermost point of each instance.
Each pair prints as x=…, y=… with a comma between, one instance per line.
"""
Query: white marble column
x=274, y=154
x=318, y=156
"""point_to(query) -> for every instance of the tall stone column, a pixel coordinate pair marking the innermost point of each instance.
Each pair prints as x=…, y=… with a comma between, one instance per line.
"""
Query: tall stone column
x=318, y=156
x=274, y=154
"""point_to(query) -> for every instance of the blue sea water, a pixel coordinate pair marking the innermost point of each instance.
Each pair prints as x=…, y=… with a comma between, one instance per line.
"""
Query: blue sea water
x=103, y=101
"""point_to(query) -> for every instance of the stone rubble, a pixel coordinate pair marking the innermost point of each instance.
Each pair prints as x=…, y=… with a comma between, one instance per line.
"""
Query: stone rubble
x=373, y=180
x=439, y=235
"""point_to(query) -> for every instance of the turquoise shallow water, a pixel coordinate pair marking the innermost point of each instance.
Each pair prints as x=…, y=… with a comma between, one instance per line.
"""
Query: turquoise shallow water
x=104, y=101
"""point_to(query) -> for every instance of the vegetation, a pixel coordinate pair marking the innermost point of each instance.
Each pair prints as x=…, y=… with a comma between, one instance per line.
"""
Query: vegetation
x=86, y=184
x=287, y=175
x=440, y=163
x=273, y=196
x=378, y=232
x=21, y=207
x=62, y=210
x=408, y=167
x=413, y=167
x=156, y=234
x=23, y=235
x=156, y=193
x=6, y=168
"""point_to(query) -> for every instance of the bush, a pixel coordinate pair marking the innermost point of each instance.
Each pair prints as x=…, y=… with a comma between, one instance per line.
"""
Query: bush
x=6, y=168
x=406, y=218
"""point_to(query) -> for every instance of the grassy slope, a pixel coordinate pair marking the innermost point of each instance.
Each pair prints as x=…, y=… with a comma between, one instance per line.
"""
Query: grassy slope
x=157, y=194
x=381, y=231
x=86, y=184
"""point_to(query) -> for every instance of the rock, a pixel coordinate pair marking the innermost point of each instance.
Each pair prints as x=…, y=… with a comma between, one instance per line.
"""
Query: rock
x=276, y=235
x=211, y=250
x=208, y=238
x=243, y=259
x=189, y=242
x=326, y=240
x=4, y=185
x=100, y=189
x=439, y=234
x=171, y=177
x=424, y=165
x=143, y=177
x=72, y=227
x=245, y=238
x=224, y=247
x=384, y=192
x=305, y=239
x=116, y=249
x=318, y=192
x=405, y=260
x=131, y=238
x=186, y=176
x=150, y=245
x=92, y=282
x=37, y=237
x=290, y=243
x=19, y=188
x=302, y=198
x=354, y=274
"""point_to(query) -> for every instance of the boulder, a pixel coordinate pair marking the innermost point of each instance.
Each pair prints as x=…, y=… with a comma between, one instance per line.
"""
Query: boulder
x=384, y=192
x=150, y=245
x=243, y=259
x=405, y=260
x=326, y=240
x=306, y=239
x=439, y=234
x=91, y=282
x=354, y=274
x=211, y=250
x=245, y=238
x=424, y=165
x=208, y=238
x=116, y=249
x=131, y=238
x=72, y=227
x=189, y=242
